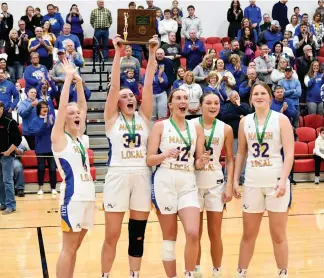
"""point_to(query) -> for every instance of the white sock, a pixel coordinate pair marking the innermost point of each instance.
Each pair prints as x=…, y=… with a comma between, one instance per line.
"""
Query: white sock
x=189, y=274
x=105, y=275
x=134, y=274
x=242, y=271
x=216, y=270
x=283, y=271
x=197, y=268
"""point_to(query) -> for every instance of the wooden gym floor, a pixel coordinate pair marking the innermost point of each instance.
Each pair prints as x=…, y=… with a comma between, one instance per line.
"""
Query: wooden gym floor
x=21, y=257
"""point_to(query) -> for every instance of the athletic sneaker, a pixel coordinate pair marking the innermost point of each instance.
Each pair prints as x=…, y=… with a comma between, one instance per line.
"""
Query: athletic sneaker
x=217, y=275
x=40, y=192
x=54, y=192
x=21, y=193
x=2, y=207
x=240, y=275
x=8, y=211
x=317, y=179
x=198, y=275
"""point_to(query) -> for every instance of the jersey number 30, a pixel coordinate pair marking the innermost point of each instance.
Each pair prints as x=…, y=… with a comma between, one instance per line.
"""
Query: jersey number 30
x=260, y=149
x=127, y=141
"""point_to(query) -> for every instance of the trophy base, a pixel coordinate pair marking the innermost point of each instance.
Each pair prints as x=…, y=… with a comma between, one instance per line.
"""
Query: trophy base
x=136, y=42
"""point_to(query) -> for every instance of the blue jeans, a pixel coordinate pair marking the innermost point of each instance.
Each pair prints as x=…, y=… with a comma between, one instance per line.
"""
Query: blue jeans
x=295, y=121
x=18, y=174
x=137, y=54
x=16, y=71
x=160, y=106
x=103, y=34
x=242, y=177
x=7, y=192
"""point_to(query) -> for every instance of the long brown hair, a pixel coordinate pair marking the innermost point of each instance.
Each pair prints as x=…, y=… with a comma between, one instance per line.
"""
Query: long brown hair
x=311, y=71
x=262, y=84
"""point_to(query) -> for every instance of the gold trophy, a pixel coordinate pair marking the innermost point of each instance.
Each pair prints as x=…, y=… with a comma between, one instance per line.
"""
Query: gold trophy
x=136, y=26
x=126, y=16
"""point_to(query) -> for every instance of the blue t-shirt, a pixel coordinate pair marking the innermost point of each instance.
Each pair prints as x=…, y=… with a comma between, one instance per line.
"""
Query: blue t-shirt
x=60, y=41
x=41, y=50
x=56, y=22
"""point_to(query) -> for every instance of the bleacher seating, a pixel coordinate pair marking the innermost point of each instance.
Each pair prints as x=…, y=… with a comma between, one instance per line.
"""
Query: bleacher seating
x=313, y=121
x=306, y=134
x=29, y=162
x=213, y=40
x=304, y=162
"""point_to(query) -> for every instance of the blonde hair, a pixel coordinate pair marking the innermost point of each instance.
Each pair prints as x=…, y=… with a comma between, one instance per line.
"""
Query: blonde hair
x=203, y=64
x=186, y=75
x=11, y=31
x=211, y=74
x=236, y=57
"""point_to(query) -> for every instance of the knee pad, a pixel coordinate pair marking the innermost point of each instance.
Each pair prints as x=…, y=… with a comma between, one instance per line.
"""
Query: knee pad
x=136, y=232
x=168, y=250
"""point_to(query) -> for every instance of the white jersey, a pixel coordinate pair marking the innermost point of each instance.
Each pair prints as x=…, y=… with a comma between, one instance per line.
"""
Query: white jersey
x=265, y=161
x=77, y=184
x=171, y=140
x=123, y=153
x=212, y=172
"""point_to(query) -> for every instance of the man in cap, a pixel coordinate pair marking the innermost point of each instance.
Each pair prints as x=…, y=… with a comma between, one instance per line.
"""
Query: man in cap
x=271, y=35
x=292, y=92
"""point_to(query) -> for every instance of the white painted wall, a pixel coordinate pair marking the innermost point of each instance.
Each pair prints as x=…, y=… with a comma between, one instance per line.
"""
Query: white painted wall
x=213, y=13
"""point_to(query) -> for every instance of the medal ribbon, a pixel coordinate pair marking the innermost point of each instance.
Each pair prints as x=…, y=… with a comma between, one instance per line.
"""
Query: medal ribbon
x=261, y=137
x=187, y=143
x=81, y=149
x=130, y=131
x=207, y=144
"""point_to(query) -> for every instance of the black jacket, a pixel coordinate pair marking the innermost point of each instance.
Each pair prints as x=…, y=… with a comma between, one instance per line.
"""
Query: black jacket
x=9, y=134
x=231, y=115
x=6, y=25
x=23, y=55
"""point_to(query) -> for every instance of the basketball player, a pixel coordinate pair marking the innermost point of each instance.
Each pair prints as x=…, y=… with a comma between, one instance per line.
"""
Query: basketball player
x=128, y=181
x=173, y=145
x=77, y=188
x=213, y=192
x=264, y=137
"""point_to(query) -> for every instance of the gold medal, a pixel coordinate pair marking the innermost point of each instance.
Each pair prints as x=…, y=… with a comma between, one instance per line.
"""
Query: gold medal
x=131, y=145
x=262, y=148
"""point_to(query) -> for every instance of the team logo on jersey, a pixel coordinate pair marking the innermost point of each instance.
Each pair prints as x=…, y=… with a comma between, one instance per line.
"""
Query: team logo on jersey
x=78, y=226
x=110, y=205
x=245, y=206
x=168, y=208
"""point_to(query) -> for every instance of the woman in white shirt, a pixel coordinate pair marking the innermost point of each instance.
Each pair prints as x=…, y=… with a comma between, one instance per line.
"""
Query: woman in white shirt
x=194, y=91
x=225, y=77
x=293, y=24
x=319, y=154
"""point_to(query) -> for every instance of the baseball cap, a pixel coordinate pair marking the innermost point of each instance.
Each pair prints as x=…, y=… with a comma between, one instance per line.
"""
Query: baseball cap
x=289, y=68
x=275, y=23
x=61, y=51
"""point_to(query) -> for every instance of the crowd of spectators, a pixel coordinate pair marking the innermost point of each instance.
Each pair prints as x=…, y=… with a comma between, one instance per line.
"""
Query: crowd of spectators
x=279, y=51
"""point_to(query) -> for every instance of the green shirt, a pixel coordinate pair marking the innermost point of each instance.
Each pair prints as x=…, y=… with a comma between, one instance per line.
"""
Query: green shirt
x=100, y=18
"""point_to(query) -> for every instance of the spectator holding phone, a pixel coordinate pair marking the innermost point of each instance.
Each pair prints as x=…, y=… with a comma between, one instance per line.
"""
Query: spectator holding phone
x=41, y=128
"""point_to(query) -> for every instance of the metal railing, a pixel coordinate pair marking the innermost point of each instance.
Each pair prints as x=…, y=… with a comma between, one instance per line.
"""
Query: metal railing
x=97, y=52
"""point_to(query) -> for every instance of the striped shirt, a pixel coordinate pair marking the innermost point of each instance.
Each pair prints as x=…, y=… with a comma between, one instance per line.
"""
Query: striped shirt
x=100, y=18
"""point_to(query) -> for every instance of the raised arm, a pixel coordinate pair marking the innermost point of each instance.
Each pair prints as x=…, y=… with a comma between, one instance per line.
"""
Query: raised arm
x=82, y=103
x=146, y=108
x=58, y=138
x=111, y=109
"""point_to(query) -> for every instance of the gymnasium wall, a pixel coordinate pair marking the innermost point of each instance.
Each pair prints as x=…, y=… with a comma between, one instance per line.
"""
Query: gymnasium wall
x=212, y=13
